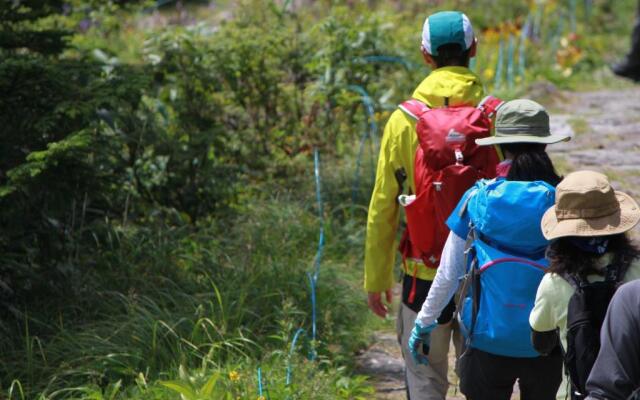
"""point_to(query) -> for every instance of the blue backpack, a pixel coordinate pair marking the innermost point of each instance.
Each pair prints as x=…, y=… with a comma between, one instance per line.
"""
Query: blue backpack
x=505, y=264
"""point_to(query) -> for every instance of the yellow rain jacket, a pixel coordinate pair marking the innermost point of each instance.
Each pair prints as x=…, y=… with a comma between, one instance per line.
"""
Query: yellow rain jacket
x=397, y=150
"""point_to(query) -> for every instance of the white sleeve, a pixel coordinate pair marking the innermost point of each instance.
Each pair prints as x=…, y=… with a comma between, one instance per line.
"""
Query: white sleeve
x=447, y=280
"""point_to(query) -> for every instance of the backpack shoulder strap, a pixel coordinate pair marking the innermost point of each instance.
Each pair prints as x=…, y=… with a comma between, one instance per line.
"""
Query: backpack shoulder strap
x=470, y=283
x=465, y=205
x=574, y=280
x=479, y=185
x=490, y=105
x=468, y=245
x=414, y=108
x=468, y=280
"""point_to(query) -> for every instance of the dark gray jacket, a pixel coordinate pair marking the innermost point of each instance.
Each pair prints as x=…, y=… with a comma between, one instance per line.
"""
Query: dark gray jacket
x=616, y=373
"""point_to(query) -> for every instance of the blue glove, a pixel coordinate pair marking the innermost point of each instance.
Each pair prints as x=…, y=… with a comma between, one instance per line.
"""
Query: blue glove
x=419, y=342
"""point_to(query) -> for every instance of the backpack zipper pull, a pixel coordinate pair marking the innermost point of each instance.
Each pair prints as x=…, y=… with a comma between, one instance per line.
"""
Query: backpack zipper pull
x=459, y=157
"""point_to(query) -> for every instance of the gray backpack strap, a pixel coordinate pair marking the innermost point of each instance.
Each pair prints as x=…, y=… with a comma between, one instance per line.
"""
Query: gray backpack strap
x=468, y=280
x=572, y=280
x=465, y=205
x=470, y=262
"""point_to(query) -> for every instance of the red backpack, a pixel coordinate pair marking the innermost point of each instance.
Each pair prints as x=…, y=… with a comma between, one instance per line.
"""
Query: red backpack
x=447, y=163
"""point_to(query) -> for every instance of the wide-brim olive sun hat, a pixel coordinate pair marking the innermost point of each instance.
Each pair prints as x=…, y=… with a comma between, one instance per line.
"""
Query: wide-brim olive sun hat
x=587, y=205
x=522, y=121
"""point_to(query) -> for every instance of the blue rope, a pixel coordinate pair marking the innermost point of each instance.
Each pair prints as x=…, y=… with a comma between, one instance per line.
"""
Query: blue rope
x=510, y=62
x=356, y=178
x=299, y=332
x=588, y=7
x=522, y=54
x=312, y=288
x=316, y=169
x=368, y=103
x=537, y=25
x=388, y=59
x=369, y=133
x=260, y=389
x=160, y=3
x=313, y=278
x=574, y=15
x=557, y=34
x=498, y=77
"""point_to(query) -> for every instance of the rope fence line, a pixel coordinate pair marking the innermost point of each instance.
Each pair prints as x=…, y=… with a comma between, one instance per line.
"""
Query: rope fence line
x=313, y=280
x=370, y=132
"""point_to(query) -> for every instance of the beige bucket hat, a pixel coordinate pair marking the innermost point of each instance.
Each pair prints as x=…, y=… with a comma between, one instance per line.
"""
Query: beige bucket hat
x=587, y=205
x=522, y=121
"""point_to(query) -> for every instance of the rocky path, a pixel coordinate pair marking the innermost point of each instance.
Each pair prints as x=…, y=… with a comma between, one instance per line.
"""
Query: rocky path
x=606, y=137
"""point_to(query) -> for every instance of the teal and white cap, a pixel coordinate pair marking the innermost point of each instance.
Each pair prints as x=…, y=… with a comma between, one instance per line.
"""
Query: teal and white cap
x=446, y=27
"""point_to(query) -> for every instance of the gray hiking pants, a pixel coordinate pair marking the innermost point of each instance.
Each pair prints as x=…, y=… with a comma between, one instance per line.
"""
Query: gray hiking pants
x=428, y=382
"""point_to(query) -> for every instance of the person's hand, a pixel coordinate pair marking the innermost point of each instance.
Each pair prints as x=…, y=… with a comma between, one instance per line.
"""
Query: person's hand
x=376, y=305
x=419, y=342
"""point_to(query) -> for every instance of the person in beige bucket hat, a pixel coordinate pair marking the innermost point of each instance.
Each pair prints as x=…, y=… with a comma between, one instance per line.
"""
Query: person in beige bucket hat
x=588, y=226
x=586, y=205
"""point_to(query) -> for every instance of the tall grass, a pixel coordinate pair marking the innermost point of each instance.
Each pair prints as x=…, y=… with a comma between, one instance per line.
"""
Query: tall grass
x=201, y=300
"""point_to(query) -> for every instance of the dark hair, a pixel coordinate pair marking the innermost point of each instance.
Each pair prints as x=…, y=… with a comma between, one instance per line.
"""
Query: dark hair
x=451, y=55
x=531, y=163
x=567, y=258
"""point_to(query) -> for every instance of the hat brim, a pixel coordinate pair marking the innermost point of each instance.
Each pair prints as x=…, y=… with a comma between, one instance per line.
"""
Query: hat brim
x=622, y=221
x=522, y=139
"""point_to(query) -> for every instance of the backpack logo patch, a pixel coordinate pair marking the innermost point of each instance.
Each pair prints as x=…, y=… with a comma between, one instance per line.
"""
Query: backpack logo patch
x=455, y=137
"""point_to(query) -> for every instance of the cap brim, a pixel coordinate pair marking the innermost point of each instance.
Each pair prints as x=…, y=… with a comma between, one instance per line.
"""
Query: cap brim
x=522, y=139
x=620, y=222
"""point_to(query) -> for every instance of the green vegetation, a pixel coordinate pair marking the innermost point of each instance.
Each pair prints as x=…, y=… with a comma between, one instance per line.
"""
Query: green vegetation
x=158, y=206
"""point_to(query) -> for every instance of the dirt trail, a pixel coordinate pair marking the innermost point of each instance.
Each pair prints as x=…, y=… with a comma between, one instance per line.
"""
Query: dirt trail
x=605, y=126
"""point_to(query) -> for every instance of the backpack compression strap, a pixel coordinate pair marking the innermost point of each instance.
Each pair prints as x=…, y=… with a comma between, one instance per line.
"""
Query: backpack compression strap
x=490, y=105
x=414, y=108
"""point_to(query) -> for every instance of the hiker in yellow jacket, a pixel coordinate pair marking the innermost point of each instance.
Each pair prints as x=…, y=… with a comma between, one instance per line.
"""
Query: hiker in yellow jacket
x=448, y=43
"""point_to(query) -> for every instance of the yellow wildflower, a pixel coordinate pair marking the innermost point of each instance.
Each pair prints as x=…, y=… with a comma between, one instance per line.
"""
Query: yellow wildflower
x=234, y=376
x=488, y=73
